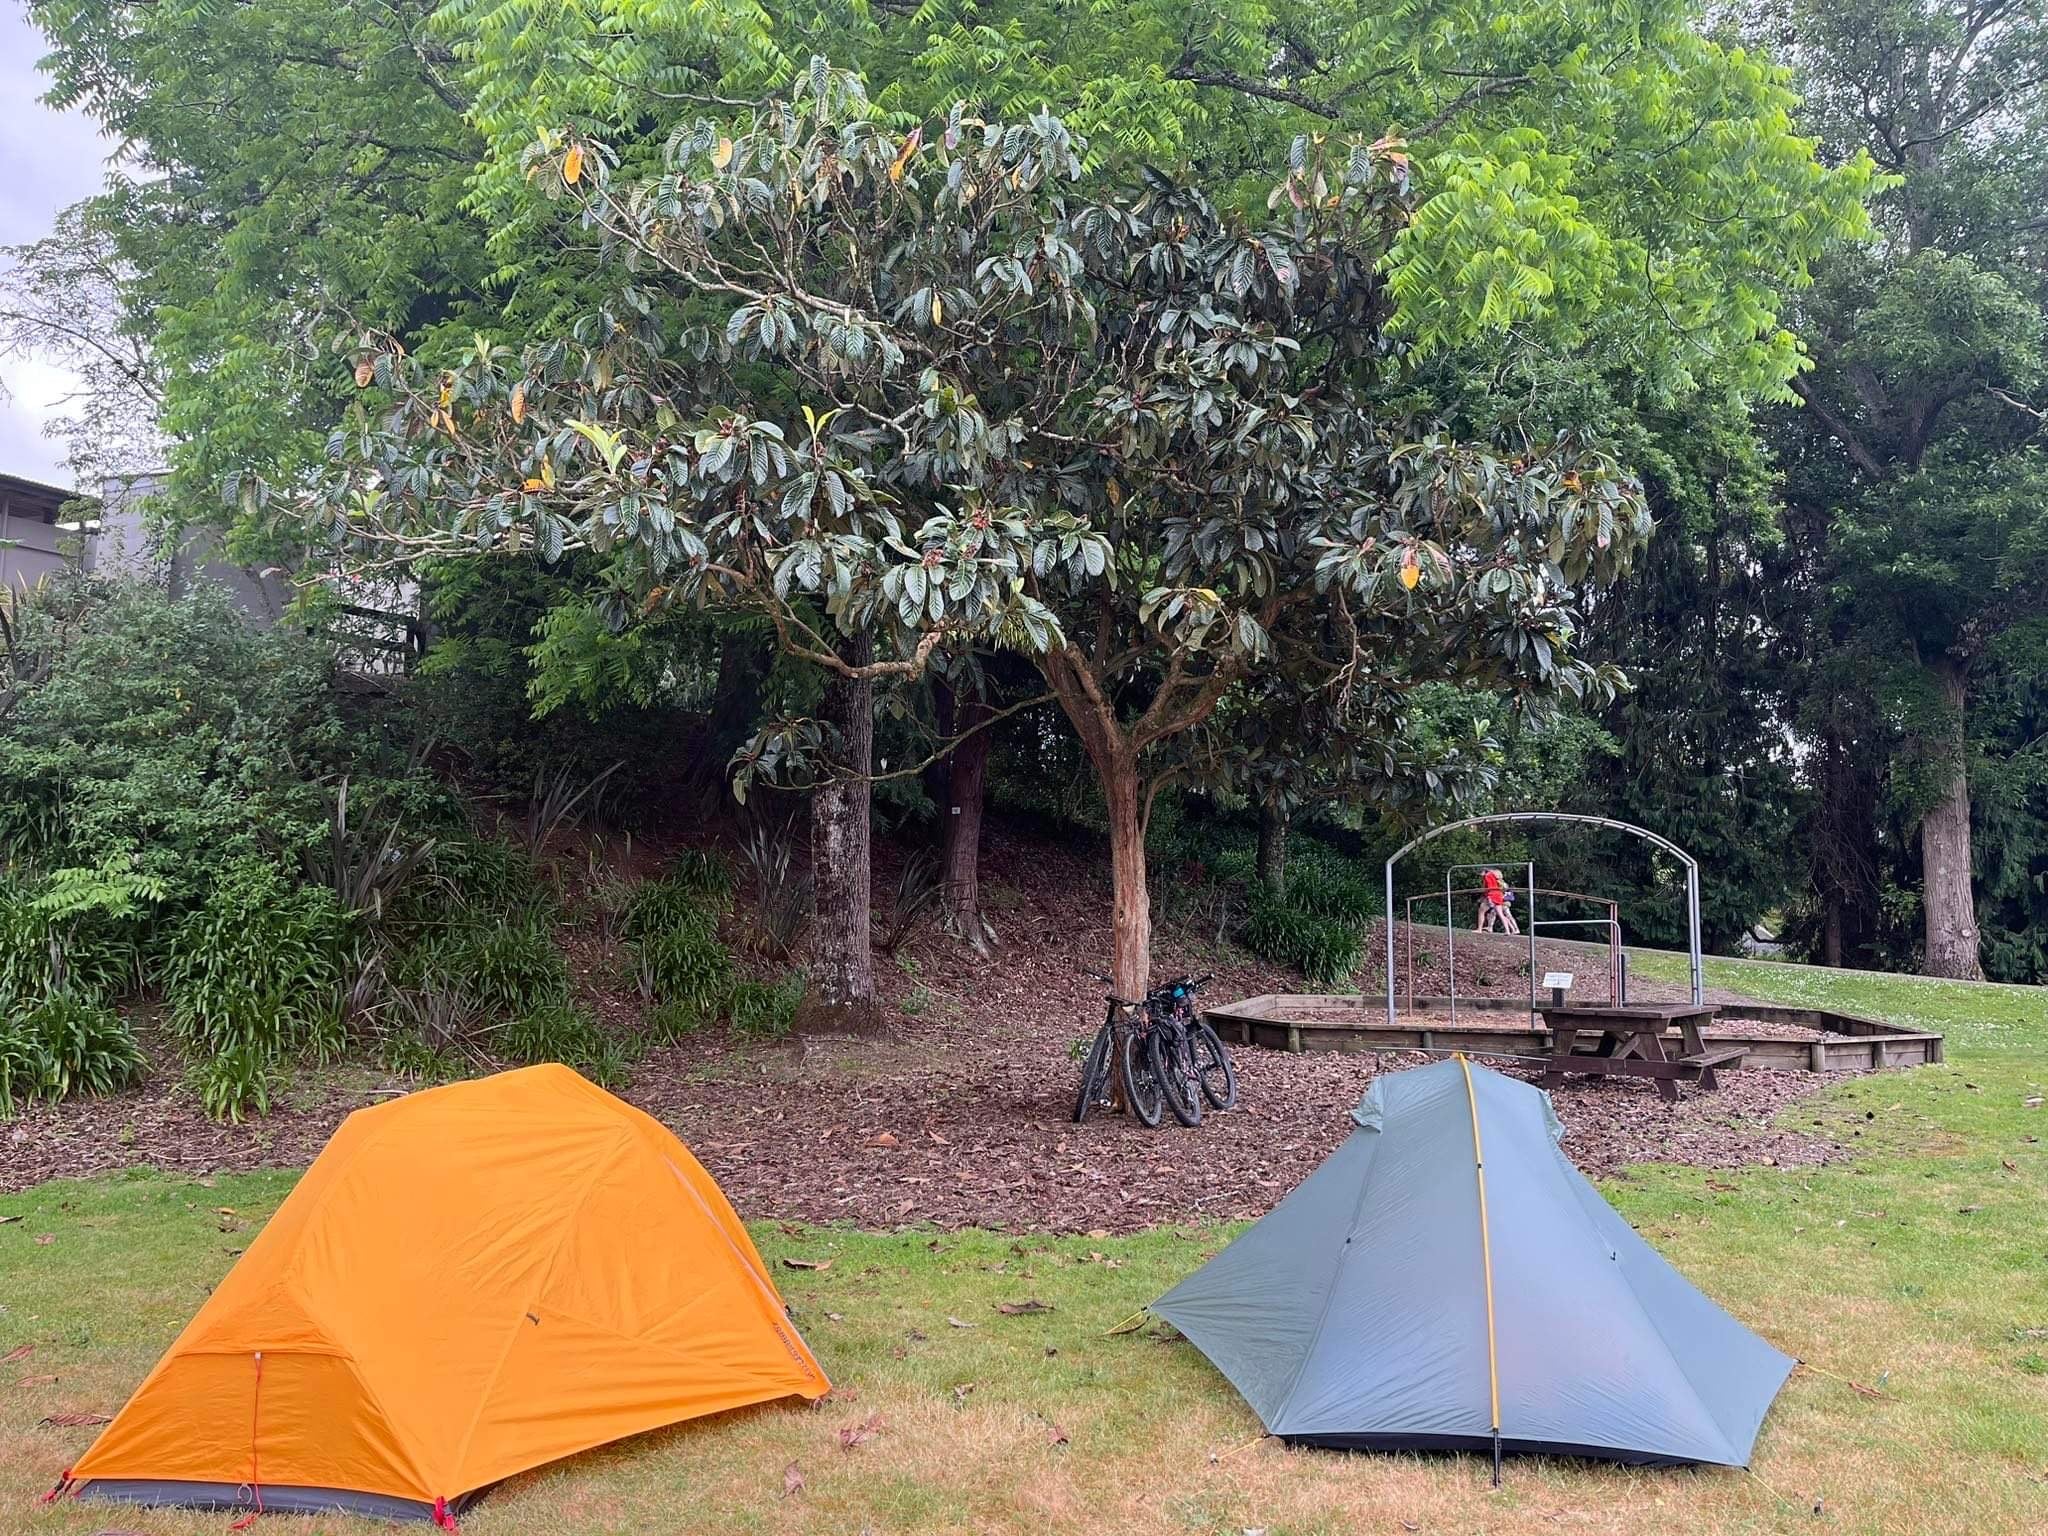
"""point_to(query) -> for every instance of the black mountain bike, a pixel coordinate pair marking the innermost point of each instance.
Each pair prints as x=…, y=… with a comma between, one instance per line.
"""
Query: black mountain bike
x=1122, y=1045
x=1188, y=1056
x=1167, y=1056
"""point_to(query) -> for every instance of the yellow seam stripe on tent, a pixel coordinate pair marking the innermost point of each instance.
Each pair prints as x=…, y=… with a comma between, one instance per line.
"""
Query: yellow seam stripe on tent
x=1485, y=1242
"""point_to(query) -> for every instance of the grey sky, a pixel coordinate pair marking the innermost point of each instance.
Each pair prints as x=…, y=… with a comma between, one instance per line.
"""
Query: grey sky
x=48, y=161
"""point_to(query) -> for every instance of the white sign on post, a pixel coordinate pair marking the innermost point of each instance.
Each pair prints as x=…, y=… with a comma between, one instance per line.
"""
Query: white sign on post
x=1558, y=981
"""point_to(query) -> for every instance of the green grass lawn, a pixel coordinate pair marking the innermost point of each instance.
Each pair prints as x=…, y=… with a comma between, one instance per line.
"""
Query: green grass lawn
x=1919, y=1268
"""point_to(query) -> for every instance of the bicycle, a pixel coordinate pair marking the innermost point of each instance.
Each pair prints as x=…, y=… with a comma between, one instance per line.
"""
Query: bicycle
x=1189, y=1058
x=1169, y=1058
x=1126, y=1047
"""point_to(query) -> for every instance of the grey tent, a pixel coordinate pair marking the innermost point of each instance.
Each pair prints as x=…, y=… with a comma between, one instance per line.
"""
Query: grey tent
x=1447, y=1280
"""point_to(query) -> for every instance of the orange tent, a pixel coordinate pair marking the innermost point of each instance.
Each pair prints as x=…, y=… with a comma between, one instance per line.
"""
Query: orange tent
x=468, y=1282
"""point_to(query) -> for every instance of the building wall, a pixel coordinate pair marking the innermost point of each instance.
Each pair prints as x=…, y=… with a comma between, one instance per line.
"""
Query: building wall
x=34, y=541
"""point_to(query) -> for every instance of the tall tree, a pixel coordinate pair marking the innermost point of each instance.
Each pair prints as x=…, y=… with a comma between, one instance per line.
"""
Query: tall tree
x=1918, y=456
x=913, y=390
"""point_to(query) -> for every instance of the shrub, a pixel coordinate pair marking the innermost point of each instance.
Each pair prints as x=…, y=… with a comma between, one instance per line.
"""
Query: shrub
x=1324, y=949
x=686, y=967
x=767, y=1009
x=42, y=952
x=1329, y=885
x=670, y=905
x=668, y=1023
x=234, y=1080
x=503, y=968
x=62, y=1045
x=256, y=963
x=566, y=1033
x=409, y=1054
x=479, y=875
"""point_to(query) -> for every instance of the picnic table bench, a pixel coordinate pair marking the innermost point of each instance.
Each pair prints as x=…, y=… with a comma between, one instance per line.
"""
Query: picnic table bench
x=1636, y=1041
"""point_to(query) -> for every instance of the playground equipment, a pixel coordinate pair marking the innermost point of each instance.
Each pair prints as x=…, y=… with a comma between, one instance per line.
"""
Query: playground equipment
x=1515, y=818
x=1617, y=957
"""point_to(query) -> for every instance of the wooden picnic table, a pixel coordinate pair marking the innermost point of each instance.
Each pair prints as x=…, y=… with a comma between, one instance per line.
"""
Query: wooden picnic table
x=1635, y=1041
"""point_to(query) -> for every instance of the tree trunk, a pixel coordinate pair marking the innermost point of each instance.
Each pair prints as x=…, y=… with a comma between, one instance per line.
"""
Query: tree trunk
x=1273, y=847
x=960, y=857
x=1945, y=863
x=1130, y=900
x=841, y=997
x=1831, y=930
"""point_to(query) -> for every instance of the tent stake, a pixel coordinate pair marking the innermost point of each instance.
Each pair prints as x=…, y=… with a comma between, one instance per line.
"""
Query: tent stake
x=1496, y=1458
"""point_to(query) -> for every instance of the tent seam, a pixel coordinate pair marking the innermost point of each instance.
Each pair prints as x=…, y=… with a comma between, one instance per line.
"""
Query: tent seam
x=777, y=1316
x=597, y=1172
x=1336, y=1273
x=1580, y=1189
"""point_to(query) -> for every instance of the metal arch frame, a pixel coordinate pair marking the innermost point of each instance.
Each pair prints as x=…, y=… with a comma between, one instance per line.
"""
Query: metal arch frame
x=1605, y=823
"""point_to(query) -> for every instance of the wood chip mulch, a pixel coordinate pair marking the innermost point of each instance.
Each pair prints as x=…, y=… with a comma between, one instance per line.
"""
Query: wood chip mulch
x=960, y=1114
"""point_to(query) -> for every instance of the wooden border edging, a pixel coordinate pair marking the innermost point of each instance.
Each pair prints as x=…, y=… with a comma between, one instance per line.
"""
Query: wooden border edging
x=1347, y=1022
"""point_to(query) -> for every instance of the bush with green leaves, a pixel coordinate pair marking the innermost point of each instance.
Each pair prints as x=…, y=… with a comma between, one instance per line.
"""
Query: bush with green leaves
x=61, y=1045
x=234, y=1081
x=256, y=962
x=42, y=951
x=1327, y=884
x=674, y=901
x=503, y=966
x=767, y=1009
x=1324, y=949
x=569, y=1034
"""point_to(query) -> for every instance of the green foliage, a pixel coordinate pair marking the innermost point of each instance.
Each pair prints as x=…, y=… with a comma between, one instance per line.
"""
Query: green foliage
x=668, y=1022
x=767, y=1009
x=569, y=1034
x=692, y=894
x=61, y=1045
x=504, y=965
x=235, y=1080
x=255, y=964
x=42, y=953
x=1324, y=949
x=1327, y=885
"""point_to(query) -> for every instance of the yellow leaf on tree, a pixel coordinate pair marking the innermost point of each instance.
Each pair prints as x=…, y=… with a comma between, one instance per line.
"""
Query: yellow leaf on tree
x=572, y=165
x=938, y=310
x=547, y=472
x=721, y=157
x=365, y=371
x=533, y=485
x=519, y=402
x=1411, y=572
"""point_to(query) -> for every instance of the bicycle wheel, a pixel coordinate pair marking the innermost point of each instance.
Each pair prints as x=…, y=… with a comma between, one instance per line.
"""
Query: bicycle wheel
x=1212, y=1066
x=1094, y=1073
x=1141, y=1088
x=1176, y=1072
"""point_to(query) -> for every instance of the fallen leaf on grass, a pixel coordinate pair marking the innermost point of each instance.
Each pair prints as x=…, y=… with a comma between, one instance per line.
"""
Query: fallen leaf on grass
x=1022, y=1308
x=2008, y=1165
x=5, y=1220
x=883, y=1140
x=853, y=1435
x=44, y=1239
x=2031, y=1102
x=35, y=1381
x=17, y=1354
x=960, y=1393
x=1964, y=1210
x=806, y=1263
x=1055, y=1435
x=961, y=1322
x=73, y=1420
x=792, y=1481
